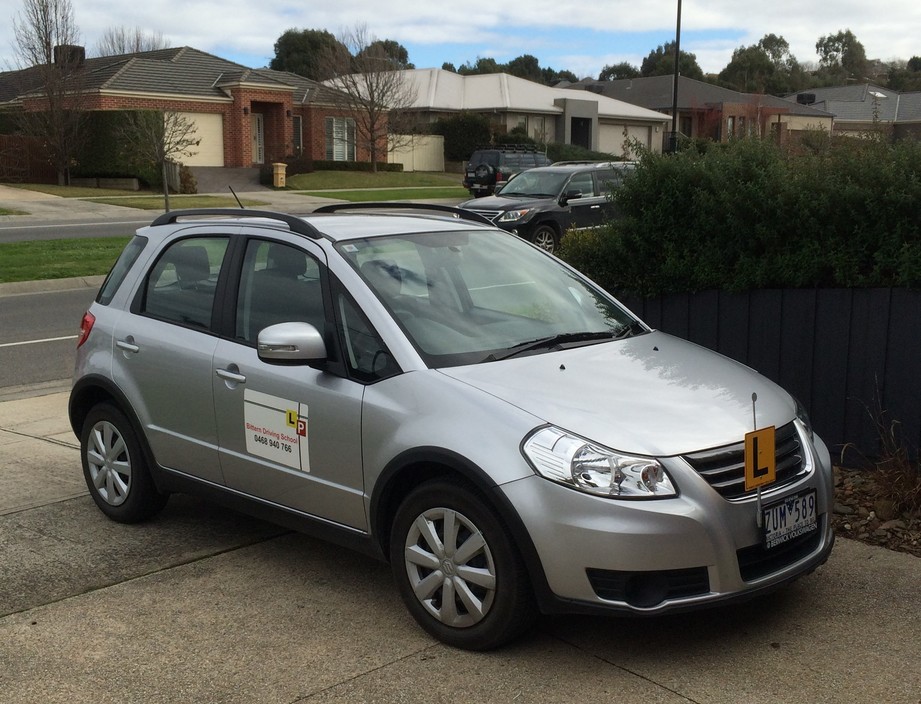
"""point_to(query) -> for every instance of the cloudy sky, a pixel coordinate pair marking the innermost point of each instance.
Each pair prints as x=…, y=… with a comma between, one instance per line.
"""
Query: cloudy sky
x=579, y=36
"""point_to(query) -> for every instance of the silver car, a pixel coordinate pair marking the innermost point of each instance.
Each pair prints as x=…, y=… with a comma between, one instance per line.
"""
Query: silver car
x=447, y=397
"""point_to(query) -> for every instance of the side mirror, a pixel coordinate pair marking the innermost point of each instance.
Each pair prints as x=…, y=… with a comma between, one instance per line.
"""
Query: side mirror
x=570, y=195
x=291, y=343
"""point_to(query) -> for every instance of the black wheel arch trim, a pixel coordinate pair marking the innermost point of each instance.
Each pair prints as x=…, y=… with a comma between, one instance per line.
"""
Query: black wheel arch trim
x=93, y=389
x=408, y=464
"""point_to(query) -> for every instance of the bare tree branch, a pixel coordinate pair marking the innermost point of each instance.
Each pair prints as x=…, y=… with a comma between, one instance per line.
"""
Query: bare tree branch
x=156, y=138
x=369, y=88
x=124, y=40
x=46, y=38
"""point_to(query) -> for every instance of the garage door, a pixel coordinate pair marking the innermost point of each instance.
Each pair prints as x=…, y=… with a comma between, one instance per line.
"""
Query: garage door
x=611, y=138
x=209, y=128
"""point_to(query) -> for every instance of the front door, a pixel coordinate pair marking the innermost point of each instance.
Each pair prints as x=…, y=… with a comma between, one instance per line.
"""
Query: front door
x=257, y=128
x=288, y=434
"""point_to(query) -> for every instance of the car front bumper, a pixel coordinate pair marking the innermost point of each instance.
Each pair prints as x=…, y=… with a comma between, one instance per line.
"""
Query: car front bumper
x=658, y=556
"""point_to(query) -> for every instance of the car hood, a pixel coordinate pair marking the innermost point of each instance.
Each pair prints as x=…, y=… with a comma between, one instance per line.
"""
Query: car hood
x=500, y=203
x=652, y=394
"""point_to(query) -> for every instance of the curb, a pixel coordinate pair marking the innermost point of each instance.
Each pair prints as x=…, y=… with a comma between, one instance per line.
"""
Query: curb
x=17, y=288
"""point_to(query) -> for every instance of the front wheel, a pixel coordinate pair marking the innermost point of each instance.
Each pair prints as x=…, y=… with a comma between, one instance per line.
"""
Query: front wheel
x=457, y=570
x=545, y=237
x=115, y=469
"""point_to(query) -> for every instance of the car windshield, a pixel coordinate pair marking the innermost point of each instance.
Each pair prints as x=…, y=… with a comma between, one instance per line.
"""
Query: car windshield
x=480, y=296
x=545, y=184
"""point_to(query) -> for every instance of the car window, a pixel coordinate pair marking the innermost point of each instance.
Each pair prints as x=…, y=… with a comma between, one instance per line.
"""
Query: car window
x=485, y=157
x=582, y=182
x=462, y=296
x=120, y=270
x=181, y=284
x=536, y=183
x=278, y=284
x=366, y=356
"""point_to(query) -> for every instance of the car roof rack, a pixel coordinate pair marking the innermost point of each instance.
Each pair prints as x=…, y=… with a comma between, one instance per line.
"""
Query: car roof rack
x=295, y=223
x=458, y=213
x=514, y=148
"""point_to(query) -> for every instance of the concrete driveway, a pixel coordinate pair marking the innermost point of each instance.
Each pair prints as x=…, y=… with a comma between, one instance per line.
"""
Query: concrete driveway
x=205, y=605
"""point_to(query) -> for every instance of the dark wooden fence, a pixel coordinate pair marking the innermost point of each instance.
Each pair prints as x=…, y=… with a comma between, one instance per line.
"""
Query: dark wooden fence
x=847, y=354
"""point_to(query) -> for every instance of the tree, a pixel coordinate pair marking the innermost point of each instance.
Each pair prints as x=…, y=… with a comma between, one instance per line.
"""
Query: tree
x=525, y=66
x=156, y=138
x=748, y=71
x=369, y=89
x=661, y=62
x=448, y=66
x=395, y=51
x=905, y=76
x=307, y=52
x=123, y=40
x=484, y=64
x=618, y=71
x=46, y=40
x=551, y=76
x=842, y=56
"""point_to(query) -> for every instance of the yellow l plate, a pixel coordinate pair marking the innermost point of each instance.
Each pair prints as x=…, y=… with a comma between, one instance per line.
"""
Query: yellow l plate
x=760, y=458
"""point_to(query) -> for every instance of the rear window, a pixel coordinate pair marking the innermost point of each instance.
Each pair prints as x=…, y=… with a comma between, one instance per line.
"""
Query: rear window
x=120, y=270
x=485, y=157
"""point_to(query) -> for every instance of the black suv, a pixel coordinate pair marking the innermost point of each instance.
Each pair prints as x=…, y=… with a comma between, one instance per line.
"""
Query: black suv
x=489, y=168
x=540, y=204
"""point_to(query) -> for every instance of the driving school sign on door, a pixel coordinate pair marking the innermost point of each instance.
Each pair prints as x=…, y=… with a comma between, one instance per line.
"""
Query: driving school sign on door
x=276, y=429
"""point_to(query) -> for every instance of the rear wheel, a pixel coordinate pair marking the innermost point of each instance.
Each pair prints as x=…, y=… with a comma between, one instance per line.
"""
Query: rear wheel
x=457, y=570
x=546, y=237
x=115, y=469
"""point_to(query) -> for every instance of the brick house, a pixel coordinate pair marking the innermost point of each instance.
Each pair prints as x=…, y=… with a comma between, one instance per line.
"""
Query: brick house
x=244, y=117
x=712, y=112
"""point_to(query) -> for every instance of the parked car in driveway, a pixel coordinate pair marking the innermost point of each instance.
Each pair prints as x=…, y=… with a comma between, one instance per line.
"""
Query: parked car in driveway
x=541, y=204
x=488, y=169
x=447, y=397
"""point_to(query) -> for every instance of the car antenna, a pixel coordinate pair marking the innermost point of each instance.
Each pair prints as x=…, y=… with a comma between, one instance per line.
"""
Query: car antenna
x=235, y=197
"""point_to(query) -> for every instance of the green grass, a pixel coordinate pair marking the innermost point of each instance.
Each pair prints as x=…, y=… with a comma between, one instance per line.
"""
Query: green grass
x=176, y=202
x=351, y=180
x=391, y=194
x=4, y=211
x=58, y=259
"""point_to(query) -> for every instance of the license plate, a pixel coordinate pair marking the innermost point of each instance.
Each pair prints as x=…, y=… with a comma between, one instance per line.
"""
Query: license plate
x=789, y=519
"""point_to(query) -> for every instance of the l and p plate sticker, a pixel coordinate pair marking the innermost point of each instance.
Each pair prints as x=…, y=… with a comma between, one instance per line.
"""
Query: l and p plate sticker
x=276, y=429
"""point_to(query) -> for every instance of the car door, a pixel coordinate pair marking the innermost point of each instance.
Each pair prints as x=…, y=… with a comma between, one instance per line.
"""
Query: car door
x=288, y=434
x=588, y=210
x=164, y=348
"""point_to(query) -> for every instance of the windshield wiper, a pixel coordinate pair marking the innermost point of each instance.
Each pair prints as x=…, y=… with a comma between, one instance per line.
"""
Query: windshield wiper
x=551, y=342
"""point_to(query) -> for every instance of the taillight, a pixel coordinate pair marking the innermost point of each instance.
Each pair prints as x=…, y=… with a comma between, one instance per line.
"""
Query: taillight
x=86, y=327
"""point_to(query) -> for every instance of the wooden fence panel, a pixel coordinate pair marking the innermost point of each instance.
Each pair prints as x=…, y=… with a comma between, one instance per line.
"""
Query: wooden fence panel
x=845, y=353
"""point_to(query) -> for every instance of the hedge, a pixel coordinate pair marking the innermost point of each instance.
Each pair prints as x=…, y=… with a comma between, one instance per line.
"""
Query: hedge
x=747, y=215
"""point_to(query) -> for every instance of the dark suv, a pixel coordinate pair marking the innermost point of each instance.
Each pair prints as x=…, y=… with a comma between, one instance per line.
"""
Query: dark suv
x=489, y=168
x=540, y=204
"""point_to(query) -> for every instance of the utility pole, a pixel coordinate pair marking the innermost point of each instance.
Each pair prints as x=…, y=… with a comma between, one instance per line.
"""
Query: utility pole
x=673, y=138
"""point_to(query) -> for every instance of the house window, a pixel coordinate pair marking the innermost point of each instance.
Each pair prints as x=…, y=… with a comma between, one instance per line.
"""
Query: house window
x=742, y=127
x=340, y=139
x=297, y=138
x=730, y=127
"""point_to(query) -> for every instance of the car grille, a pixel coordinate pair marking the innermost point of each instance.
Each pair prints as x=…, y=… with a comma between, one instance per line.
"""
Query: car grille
x=488, y=214
x=724, y=467
x=648, y=589
x=757, y=561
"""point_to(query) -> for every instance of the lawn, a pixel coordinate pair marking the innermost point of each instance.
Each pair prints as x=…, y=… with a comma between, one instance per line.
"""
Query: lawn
x=385, y=194
x=58, y=259
x=351, y=180
x=176, y=202
x=4, y=211
x=72, y=191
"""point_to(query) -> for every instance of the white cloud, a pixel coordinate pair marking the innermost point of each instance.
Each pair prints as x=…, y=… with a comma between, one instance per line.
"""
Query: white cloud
x=589, y=35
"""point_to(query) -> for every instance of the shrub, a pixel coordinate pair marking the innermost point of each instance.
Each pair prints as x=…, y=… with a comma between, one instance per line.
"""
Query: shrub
x=750, y=215
x=463, y=134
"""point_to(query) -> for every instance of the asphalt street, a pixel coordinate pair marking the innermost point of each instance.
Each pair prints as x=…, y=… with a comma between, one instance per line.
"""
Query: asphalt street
x=205, y=605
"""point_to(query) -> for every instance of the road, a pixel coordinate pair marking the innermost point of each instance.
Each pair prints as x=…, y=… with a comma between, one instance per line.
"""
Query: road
x=38, y=335
x=37, y=229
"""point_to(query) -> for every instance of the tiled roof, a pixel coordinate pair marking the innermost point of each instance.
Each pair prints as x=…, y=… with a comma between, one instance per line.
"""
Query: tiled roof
x=657, y=93
x=865, y=102
x=176, y=71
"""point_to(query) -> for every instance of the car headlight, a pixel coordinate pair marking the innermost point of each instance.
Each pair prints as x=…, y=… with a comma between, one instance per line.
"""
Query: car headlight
x=513, y=215
x=583, y=465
